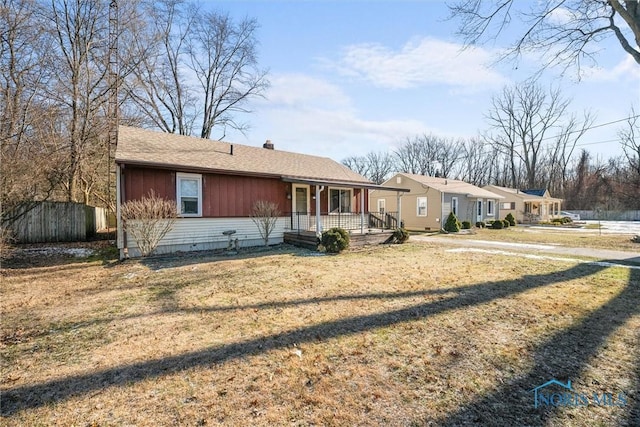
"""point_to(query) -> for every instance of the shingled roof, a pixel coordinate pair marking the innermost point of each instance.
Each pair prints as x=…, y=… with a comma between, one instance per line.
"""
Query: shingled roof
x=144, y=147
x=453, y=186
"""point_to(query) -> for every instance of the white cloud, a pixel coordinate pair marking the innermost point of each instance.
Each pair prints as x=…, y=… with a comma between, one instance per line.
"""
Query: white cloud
x=309, y=115
x=561, y=15
x=299, y=90
x=424, y=61
x=627, y=69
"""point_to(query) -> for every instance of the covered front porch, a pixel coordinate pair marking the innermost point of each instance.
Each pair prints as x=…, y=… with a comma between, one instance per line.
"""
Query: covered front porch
x=542, y=210
x=320, y=205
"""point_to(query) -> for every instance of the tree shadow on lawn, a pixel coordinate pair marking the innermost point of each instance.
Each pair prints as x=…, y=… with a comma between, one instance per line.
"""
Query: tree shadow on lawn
x=32, y=396
x=184, y=259
x=563, y=356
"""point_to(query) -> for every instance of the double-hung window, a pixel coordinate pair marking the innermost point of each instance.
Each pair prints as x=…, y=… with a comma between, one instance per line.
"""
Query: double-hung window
x=189, y=194
x=454, y=205
x=421, y=205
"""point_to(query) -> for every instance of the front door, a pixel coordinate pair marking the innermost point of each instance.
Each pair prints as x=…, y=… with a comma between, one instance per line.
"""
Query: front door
x=479, y=210
x=300, y=207
x=300, y=200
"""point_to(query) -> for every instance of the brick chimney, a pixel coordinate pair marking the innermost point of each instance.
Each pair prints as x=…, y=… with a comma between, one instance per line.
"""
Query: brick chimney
x=268, y=145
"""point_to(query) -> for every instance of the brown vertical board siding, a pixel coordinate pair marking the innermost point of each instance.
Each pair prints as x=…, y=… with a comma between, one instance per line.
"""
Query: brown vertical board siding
x=139, y=181
x=234, y=196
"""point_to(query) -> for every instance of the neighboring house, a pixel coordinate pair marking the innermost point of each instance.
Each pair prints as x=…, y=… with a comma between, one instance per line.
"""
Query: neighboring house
x=431, y=200
x=215, y=185
x=527, y=206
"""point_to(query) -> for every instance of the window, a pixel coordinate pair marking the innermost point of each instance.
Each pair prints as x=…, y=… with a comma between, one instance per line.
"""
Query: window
x=339, y=200
x=189, y=194
x=490, y=207
x=454, y=205
x=421, y=206
x=508, y=206
x=381, y=206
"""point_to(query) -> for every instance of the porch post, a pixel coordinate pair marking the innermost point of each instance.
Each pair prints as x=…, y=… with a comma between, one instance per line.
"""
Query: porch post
x=319, y=188
x=362, y=211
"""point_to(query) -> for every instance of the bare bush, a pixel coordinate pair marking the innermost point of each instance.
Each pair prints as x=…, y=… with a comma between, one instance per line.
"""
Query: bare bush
x=265, y=216
x=148, y=220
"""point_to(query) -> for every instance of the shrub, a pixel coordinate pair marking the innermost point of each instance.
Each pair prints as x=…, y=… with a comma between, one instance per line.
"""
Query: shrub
x=400, y=235
x=505, y=223
x=481, y=224
x=497, y=225
x=452, y=225
x=148, y=220
x=335, y=240
x=265, y=216
x=511, y=219
x=466, y=225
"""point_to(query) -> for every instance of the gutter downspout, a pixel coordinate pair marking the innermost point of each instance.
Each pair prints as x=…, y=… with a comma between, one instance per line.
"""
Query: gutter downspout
x=121, y=234
x=319, y=189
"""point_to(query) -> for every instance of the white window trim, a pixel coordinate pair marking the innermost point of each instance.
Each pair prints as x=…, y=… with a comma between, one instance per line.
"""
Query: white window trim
x=491, y=204
x=350, y=190
x=196, y=176
x=456, y=211
x=426, y=206
x=382, y=203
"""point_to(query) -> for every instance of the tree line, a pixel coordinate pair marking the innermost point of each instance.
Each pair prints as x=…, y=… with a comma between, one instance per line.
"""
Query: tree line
x=532, y=141
x=179, y=68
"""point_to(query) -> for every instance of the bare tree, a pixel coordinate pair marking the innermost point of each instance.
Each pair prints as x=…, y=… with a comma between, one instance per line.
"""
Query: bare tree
x=223, y=56
x=265, y=215
x=380, y=166
x=80, y=86
x=522, y=118
x=358, y=164
x=567, y=32
x=630, y=140
x=198, y=69
x=428, y=155
x=27, y=143
x=148, y=221
x=477, y=162
x=374, y=166
x=158, y=85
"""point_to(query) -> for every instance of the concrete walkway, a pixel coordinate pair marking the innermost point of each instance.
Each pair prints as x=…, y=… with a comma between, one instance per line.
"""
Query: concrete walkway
x=596, y=254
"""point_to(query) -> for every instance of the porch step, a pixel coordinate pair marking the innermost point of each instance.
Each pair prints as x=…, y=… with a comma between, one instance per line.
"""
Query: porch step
x=308, y=240
x=305, y=240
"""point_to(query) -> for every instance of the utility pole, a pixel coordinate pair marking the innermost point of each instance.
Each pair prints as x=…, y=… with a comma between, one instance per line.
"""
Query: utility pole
x=113, y=113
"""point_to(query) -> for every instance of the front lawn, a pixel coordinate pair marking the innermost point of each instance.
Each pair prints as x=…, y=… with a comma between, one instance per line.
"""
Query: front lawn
x=399, y=335
x=550, y=236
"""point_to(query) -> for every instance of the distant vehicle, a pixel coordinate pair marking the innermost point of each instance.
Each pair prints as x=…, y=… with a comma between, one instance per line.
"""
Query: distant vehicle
x=571, y=216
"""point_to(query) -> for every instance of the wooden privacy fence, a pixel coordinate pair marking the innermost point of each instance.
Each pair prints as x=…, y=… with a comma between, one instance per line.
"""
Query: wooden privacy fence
x=57, y=222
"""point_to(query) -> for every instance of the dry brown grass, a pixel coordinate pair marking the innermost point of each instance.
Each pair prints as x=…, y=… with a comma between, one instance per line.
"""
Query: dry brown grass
x=401, y=335
x=580, y=239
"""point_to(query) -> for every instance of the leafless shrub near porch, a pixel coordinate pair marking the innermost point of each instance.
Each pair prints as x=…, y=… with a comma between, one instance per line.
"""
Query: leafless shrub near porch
x=265, y=215
x=148, y=220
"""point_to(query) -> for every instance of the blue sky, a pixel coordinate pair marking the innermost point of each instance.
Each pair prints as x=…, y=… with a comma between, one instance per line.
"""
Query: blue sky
x=349, y=77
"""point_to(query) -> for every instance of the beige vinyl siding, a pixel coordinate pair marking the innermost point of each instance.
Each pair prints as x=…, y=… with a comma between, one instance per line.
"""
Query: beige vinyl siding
x=409, y=204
